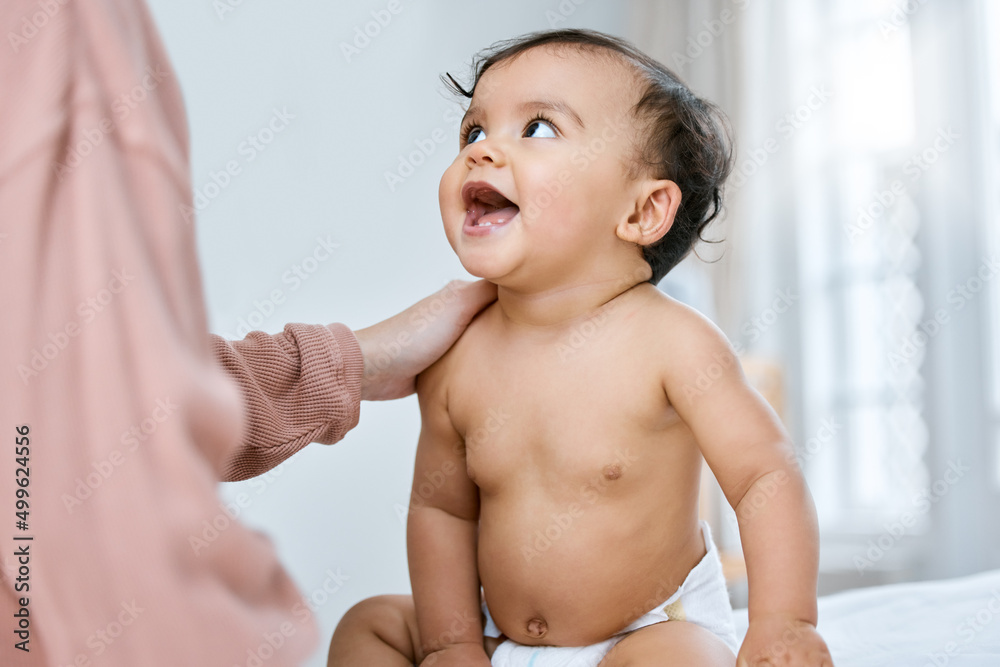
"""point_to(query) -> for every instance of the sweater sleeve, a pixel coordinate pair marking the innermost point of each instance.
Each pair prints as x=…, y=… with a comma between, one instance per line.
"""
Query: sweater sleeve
x=299, y=386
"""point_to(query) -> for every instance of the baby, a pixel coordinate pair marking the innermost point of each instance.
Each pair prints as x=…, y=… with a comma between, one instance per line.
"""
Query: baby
x=555, y=498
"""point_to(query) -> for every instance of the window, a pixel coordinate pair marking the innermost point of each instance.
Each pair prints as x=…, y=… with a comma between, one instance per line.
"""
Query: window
x=863, y=319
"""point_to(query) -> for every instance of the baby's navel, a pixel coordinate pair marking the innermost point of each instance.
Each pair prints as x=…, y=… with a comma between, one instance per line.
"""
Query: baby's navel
x=613, y=471
x=537, y=628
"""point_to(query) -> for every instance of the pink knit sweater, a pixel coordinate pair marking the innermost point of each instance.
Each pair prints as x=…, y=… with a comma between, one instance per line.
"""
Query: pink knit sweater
x=116, y=422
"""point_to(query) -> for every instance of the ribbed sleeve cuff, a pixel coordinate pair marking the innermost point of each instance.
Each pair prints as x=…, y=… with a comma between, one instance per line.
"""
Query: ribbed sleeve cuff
x=352, y=364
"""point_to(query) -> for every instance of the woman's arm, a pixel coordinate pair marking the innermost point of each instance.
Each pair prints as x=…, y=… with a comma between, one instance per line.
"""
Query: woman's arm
x=306, y=383
x=299, y=386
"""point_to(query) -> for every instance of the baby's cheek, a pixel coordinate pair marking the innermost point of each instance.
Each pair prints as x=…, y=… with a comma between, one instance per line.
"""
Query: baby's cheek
x=447, y=188
x=450, y=202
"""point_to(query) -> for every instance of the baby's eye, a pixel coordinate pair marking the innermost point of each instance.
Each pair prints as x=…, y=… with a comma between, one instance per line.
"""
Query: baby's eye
x=475, y=134
x=540, y=129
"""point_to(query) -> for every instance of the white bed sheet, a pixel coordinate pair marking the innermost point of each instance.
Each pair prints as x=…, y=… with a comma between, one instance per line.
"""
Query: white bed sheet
x=953, y=623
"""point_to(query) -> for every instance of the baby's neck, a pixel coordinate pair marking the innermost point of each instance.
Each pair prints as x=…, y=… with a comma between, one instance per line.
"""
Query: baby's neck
x=563, y=306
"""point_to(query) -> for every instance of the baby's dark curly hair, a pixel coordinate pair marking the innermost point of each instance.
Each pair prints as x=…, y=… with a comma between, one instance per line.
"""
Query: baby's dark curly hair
x=687, y=139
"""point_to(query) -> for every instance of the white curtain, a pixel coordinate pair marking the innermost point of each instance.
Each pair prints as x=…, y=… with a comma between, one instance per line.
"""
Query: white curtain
x=865, y=193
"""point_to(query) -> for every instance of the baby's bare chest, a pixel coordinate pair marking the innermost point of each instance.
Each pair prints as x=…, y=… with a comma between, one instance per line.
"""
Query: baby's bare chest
x=535, y=422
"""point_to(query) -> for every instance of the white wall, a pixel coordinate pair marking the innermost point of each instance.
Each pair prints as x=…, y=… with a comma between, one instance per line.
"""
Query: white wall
x=322, y=176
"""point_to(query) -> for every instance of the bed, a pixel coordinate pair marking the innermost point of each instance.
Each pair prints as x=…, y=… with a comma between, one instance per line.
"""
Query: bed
x=954, y=622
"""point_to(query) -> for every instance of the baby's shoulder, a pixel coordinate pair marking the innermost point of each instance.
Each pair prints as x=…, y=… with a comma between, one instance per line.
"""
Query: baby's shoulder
x=673, y=330
x=436, y=377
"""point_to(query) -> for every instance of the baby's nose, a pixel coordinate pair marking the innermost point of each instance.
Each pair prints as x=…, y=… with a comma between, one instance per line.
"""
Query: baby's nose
x=484, y=152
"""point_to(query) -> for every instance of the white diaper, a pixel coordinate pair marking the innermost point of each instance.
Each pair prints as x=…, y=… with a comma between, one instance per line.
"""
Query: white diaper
x=702, y=599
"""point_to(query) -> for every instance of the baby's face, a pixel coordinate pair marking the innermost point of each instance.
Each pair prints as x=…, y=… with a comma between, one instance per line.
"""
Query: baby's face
x=541, y=178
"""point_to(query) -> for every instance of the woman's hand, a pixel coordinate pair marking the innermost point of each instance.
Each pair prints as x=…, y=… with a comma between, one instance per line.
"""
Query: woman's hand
x=399, y=348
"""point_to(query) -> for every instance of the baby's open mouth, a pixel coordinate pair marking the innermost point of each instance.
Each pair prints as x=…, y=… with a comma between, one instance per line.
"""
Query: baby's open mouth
x=486, y=206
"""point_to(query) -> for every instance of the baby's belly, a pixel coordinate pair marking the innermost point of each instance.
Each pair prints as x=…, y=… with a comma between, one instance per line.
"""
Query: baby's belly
x=572, y=574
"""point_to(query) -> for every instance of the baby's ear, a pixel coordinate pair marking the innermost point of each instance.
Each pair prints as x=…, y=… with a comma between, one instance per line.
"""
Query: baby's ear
x=655, y=209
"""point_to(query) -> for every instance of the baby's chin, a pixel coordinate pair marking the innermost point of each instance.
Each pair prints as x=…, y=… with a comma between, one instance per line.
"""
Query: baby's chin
x=495, y=277
x=485, y=269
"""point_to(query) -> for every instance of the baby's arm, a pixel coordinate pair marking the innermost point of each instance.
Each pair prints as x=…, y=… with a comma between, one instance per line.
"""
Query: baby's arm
x=441, y=537
x=752, y=457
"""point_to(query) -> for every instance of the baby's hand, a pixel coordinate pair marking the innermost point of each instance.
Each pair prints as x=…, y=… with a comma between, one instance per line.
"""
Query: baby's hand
x=778, y=640
x=458, y=655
